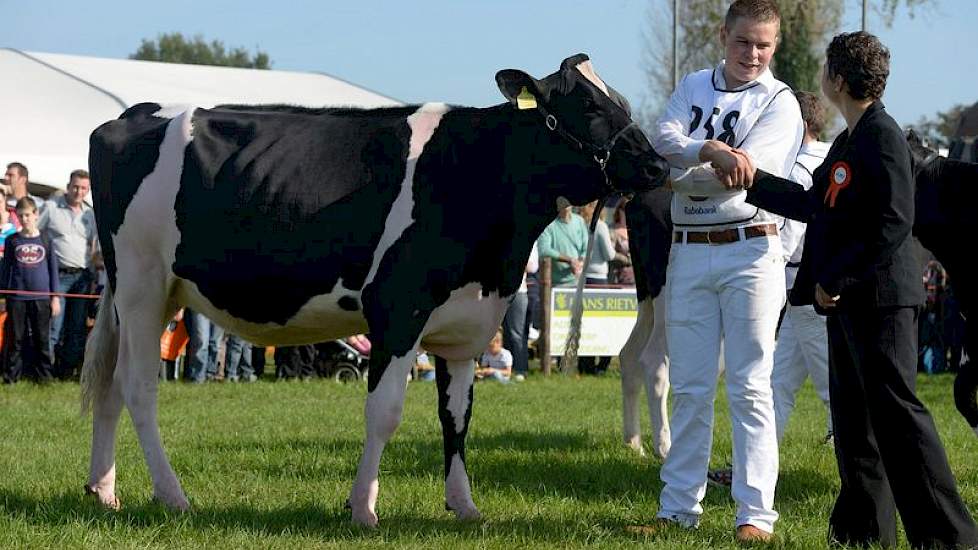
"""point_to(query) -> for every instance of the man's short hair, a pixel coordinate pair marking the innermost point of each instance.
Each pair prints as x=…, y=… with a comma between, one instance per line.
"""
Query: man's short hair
x=862, y=61
x=761, y=11
x=75, y=174
x=812, y=112
x=26, y=203
x=21, y=169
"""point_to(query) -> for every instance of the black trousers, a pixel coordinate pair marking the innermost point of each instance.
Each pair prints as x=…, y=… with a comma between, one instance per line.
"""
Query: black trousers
x=889, y=455
x=30, y=323
x=295, y=361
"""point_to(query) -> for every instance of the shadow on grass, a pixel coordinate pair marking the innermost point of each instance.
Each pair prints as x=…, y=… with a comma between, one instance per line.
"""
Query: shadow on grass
x=77, y=510
x=537, y=463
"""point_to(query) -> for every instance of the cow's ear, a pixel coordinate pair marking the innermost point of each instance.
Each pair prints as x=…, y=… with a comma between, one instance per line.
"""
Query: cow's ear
x=521, y=89
x=573, y=61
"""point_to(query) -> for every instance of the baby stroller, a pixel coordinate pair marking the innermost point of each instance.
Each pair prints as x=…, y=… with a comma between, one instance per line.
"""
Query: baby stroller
x=342, y=361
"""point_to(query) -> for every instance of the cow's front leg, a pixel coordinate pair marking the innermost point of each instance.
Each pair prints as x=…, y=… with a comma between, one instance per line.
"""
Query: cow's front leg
x=454, y=380
x=385, y=402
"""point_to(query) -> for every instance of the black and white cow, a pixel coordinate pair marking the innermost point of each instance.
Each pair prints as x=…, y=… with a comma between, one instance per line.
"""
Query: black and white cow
x=946, y=195
x=289, y=225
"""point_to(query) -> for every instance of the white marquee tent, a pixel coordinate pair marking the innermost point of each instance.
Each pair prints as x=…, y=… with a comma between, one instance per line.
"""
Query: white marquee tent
x=50, y=103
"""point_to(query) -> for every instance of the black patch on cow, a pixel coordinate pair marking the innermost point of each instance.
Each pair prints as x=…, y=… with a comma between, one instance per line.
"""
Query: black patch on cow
x=649, y=220
x=122, y=153
x=454, y=442
x=276, y=207
x=348, y=303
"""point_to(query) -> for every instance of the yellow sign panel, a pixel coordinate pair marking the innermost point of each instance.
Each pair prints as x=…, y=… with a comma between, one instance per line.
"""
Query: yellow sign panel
x=609, y=316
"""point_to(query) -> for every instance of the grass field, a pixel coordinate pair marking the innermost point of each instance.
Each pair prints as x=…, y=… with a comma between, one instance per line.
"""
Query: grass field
x=269, y=465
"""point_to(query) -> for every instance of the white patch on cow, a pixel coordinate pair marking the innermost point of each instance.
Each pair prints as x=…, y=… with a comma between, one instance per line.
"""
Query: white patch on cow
x=462, y=374
x=460, y=329
x=644, y=360
x=423, y=123
x=383, y=410
x=458, y=492
x=319, y=319
x=149, y=227
x=172, y=111
x=587, y=70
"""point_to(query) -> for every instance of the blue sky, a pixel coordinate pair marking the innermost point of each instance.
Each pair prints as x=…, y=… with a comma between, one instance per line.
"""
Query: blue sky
x=449, y=50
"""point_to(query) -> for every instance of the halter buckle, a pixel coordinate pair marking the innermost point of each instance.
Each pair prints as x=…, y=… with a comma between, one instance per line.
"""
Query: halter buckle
x=551, y=122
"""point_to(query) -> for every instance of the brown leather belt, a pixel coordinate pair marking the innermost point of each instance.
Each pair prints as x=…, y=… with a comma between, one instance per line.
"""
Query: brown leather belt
x=724, y=236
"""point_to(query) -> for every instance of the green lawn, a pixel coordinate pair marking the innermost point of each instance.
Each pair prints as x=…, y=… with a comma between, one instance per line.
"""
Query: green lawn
x=269, y=465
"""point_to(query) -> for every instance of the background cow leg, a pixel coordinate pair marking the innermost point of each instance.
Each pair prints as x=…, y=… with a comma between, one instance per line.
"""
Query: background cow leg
x=655, y=369
x=631, y=375
x=385, y=402
x=454, y=379
x=139, y=373
x=106, y=413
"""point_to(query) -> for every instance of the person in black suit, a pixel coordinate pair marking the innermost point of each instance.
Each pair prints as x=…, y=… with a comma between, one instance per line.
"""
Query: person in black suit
x=859, y=268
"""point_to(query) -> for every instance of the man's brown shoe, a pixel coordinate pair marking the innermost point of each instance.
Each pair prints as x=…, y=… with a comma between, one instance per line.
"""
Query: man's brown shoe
x=747, y=533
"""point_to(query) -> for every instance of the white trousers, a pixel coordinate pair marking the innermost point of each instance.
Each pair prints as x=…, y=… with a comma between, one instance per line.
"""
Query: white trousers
x=735, y=291
x=802, y=351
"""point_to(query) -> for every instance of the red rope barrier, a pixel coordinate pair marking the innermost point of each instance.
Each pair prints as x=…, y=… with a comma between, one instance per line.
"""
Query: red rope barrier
x=62, y=294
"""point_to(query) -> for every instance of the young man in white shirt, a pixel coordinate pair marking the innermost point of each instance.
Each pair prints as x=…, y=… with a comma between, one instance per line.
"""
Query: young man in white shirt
x=725, y=276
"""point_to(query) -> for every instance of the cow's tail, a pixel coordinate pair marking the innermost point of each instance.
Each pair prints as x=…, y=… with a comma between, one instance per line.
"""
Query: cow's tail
x=568, y=364
x=101, y=353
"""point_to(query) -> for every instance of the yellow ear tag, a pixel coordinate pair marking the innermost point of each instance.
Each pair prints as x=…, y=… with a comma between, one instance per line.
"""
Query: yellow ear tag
x=526, y=100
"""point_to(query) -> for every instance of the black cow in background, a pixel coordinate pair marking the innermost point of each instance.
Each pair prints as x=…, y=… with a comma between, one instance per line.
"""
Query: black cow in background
x=947, y=191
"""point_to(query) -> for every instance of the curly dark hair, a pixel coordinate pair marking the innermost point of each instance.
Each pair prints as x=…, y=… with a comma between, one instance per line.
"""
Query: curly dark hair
x=862, y=61
x=812, y=112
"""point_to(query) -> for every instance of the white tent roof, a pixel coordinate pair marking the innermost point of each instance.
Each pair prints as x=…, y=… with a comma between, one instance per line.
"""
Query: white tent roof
x=54, y=101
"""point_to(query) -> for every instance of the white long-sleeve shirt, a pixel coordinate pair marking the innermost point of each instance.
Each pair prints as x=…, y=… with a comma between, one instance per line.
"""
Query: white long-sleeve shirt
x=761, y=117
x=793, y=232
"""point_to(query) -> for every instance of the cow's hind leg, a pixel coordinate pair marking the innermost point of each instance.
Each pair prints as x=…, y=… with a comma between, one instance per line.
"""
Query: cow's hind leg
x=101, y=392
x=141, y=322
x=385, y=402
x=454, y=379
x=631, y=375
x=101, y=479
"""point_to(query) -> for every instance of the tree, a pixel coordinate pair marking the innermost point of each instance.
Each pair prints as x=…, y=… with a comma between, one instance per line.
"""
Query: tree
x=174, y=48
x=939, y=130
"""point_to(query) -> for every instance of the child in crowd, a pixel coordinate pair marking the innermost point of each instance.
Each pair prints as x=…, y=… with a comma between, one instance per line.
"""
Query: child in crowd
x=496, y=362
x=423, y=367
x=29, y=265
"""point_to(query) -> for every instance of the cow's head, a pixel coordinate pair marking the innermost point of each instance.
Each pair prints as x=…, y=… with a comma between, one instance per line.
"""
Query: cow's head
x=922, y=155
x=592, y=119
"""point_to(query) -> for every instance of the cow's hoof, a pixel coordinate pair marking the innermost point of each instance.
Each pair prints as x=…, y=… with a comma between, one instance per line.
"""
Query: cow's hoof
x=636, y=446
x=467, y=513
x=105, y=498
x=366, y=518
x=178, y=503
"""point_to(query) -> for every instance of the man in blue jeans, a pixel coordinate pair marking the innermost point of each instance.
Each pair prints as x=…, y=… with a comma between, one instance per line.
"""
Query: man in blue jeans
x=69, y=223
x=205, y=341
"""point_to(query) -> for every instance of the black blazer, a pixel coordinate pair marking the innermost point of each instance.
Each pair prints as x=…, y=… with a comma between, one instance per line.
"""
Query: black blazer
x=860, y=212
